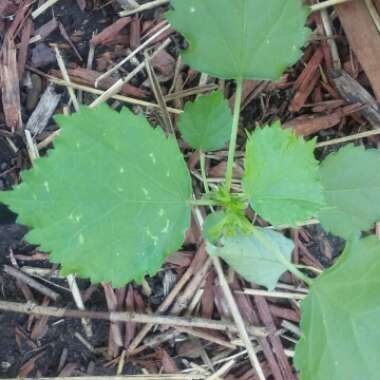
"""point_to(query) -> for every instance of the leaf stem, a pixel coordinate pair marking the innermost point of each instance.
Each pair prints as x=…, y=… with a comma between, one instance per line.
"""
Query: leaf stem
x=234, y=133
x=283, y=260
x=201, y=202
x=202, y=159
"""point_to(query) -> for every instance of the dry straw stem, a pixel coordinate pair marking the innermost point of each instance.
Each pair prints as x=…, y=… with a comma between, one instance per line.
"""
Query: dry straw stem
x=374, y=13
x=30, y=308
x=284, y=295
x=233, y=308
x=328, y=3
x=31, y=282
x=238, y=319
x=347, y=139
x=115, y=88
x=327, y=25
x=164, y=306
x=86, y=323
x=130, y=56
x=222, y=370
x=43, y=8
x=65, y=75
x=121, y=98
x=144, y=7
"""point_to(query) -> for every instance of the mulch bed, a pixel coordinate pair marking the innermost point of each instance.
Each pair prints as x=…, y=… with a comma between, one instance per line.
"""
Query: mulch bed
x=331, y=94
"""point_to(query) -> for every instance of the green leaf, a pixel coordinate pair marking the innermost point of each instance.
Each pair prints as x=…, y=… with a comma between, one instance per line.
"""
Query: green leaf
x=213, y=226
x=206, y=123
x=110, y=201
x=249, y=39
x=340, y=318
x=254, y=256
x=281, y=176
x=351, y=179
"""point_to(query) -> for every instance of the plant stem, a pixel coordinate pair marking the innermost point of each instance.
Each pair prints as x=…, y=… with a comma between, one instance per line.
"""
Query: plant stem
x=202, y=159
x=201, y=202
x=282, y=259
x=234, y=133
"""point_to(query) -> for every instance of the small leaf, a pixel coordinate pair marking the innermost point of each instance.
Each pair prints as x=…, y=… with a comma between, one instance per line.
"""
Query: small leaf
x=206, y=123
x=251, y=39
x=281, y=176
x=351, y=179
x=340, y=318
x=253, y=257
x=213, y=226
x=110, y=201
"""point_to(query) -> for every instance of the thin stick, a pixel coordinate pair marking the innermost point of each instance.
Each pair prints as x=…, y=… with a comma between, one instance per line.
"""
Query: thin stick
x=122, y=98
x=31, y=146
x=222, y=370
x=130, y=56
x=31, y=282
x=86, y=323
x=66, y=77
x=330, y=39
x=238, y=319
x=346, y=139
x=190, y=92
x=374, y=13
x=114, y=316
x=264, y=293
x=234, y=133
x=234, y=308
x=157, y=91
x=206, y=336
x=326, y=4
x=163, y=307
x=43, y=8
x=122, y=81
x=202, y=160
x=144, y=7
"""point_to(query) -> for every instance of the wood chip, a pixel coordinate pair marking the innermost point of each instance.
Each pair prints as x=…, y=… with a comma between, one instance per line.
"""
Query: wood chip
x=351, y=91
x=44, y=111
x=364, y=39
x=10, y=85
x=108, y=34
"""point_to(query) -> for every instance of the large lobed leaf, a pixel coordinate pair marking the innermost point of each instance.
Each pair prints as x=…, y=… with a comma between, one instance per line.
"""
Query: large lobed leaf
x=110, y=201
x=206, y=123
x=251, y=39
x=340, y=318
x=255, y=256
x=281, y=176
x=351, y=181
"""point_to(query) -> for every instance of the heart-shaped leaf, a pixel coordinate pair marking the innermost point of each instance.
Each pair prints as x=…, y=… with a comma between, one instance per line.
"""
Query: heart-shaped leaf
x=206, y=123
x=110, y=201
x=255, y=256
x=340, y=318
x=282, y=176
x=351, y=181
x=248, y=39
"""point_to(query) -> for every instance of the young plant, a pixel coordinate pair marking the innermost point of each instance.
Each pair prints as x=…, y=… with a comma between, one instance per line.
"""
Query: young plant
x=114, y=197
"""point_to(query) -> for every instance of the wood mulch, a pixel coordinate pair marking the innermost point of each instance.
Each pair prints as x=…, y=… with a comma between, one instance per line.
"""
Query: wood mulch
x=53, y=55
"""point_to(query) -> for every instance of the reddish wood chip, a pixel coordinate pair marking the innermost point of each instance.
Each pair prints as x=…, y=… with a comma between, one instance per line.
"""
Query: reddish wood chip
x=364, y=39
x=168, y=363
x=108, y=34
